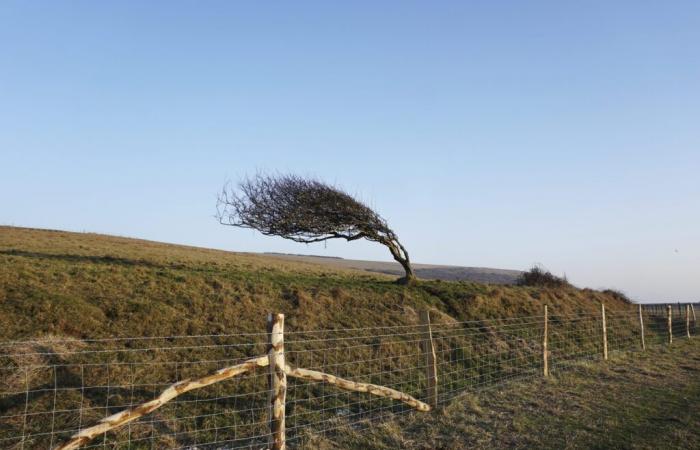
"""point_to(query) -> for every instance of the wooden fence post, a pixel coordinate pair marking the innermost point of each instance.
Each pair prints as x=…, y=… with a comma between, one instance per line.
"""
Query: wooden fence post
x=641, y=327
x=545, y=353
x=605, y=334
x=277, y=380
x=670, y=324
x=431, y=393
x=687, y=320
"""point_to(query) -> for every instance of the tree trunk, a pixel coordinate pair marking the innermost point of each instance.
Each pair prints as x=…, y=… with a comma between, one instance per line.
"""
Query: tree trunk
x=401, y=256
x=410, y=277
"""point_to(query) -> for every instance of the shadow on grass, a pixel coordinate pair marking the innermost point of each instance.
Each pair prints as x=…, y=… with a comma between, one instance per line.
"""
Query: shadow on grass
x=107, y=259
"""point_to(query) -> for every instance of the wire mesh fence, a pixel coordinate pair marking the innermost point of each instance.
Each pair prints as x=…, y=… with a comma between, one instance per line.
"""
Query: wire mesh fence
x=54, y=387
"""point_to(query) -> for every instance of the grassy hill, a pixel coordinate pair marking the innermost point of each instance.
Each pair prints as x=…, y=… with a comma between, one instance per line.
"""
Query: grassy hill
x=59, y=290
x=424, y=271
x=89, y=285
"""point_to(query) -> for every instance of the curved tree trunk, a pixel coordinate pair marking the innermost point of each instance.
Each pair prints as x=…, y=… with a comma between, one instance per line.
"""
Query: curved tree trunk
x=410, y=277
x=401, y=256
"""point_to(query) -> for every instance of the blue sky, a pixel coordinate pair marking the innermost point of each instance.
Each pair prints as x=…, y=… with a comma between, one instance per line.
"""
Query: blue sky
x=494, y=134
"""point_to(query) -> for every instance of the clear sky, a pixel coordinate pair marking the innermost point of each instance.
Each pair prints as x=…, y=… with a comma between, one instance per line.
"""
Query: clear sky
x=496, y=134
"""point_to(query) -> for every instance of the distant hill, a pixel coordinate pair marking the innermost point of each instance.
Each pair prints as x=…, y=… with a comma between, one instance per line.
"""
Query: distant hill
x=425, y=271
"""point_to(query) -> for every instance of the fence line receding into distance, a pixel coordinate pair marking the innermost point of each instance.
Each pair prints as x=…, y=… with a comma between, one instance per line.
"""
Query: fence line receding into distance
x=286, y=387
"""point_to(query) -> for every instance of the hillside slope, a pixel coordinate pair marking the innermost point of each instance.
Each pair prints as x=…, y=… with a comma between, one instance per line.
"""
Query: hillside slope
x=88, y=285
x=424, y=271
x=60, y=291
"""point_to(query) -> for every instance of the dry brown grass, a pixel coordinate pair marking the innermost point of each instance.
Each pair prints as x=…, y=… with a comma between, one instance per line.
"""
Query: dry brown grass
x=30, y=359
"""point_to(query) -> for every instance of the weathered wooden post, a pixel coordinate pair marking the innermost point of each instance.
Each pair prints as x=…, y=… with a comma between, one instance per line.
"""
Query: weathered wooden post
x=277, y=380
x=687, y=320
x=605, y=333
x=545, y=353
x=641, y=327
x=670, y=324
x=692, y=309
x=431, y=393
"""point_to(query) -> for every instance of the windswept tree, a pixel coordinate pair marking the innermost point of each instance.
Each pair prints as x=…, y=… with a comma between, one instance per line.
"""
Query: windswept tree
x=306, y=210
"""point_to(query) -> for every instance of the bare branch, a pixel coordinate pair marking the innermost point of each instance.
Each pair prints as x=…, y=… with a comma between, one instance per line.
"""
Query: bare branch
x=307, y=211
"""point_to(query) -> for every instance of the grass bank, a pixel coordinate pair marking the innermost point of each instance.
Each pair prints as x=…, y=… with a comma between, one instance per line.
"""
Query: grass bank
x=89, y=286
x=61, y=290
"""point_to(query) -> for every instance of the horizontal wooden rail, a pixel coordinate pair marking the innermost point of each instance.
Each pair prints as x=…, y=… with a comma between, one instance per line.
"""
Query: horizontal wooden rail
x=129, y=415
x=348, y=385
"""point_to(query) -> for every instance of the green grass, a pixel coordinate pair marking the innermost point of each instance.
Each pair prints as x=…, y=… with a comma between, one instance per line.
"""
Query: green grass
x=88, y=286
x=63, y=288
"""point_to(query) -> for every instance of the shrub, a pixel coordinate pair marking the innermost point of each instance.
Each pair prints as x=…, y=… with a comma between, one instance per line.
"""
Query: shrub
x=539, y=276
x=617, y=294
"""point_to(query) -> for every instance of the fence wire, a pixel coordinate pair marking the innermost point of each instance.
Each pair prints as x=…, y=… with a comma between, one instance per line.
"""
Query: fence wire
x=53, y=387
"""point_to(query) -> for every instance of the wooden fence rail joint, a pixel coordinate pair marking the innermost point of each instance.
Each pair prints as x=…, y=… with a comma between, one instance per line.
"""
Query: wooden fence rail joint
x=278, y=371
x=277, y=380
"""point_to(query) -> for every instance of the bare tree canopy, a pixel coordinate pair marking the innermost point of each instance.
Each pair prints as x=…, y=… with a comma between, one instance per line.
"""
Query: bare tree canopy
x=306, y=210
